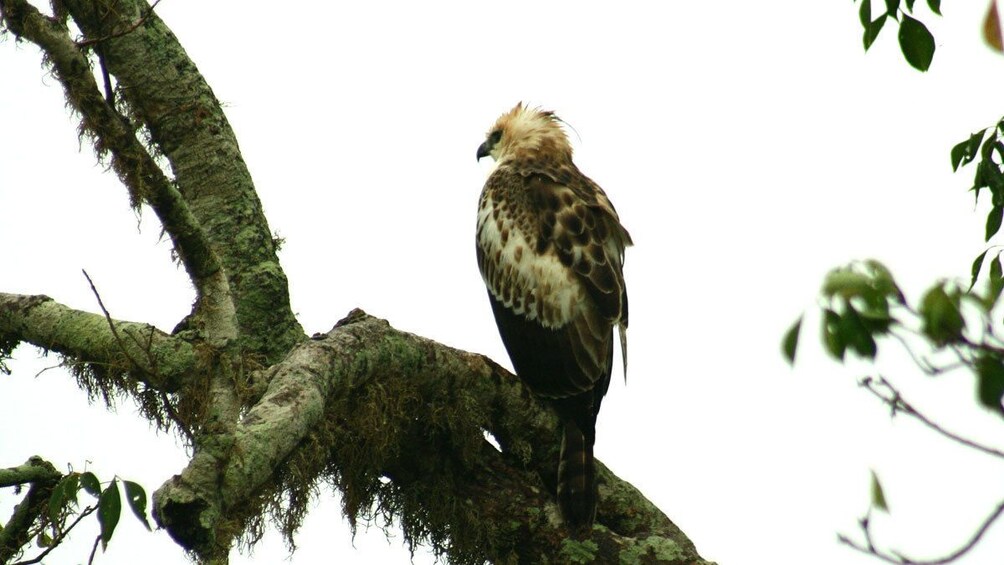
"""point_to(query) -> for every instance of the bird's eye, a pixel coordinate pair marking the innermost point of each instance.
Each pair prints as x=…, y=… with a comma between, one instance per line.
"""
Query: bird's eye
x=494, y=137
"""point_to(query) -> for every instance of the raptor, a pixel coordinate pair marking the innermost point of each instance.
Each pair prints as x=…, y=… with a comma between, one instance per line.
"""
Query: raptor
x=550, y=248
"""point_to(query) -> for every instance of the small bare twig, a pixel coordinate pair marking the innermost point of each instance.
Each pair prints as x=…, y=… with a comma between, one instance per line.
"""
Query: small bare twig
x=900, y=559
x=921, y=362
x=59, y=538
x=49, y=368
x=895, y=401
x=111, y=324
x=94, y=549
x=173, y=414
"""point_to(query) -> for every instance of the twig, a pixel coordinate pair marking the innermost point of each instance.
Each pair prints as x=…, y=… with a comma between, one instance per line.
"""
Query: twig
x=111, y=324
x=173, y=414
x=900, y=559
x=897, y=403
x=49, y=368
x=921, y=362
x=130, y=29
x=59, y=538
x=94, y=549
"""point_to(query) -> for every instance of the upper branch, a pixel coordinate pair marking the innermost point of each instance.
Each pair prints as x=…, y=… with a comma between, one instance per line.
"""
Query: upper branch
x=165, y=92
x=113, y=135
x=149, y=355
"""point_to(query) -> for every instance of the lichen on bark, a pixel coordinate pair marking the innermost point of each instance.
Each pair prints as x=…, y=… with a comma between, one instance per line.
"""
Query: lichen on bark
x=394, y=421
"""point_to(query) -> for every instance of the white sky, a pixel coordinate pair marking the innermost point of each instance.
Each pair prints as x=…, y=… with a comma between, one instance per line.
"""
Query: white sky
x=748, y=146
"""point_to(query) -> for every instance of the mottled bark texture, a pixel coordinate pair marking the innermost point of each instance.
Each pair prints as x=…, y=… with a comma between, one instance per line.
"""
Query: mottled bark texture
x=396, y=422
x=41, y=477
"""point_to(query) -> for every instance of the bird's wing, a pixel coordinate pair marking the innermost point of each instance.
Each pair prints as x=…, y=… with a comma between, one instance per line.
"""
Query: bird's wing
x=552, y=262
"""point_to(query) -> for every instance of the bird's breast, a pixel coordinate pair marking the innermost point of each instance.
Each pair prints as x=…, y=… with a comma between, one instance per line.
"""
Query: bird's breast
x=526, y=277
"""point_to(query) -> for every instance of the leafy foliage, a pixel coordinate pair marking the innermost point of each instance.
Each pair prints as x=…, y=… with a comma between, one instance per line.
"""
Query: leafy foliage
x=915, y=40
x=861, y=303
x=63, y=511
x=988, y=145
x=856, y=309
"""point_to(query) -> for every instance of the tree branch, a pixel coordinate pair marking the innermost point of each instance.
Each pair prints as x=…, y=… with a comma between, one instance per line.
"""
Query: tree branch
x=165, y=93
x=396, y=422
x=63, y=532
x=32, y=471
x=892, y=397
x=900, y=559
x=17, y=532
x=136, y=168
x=88, y=338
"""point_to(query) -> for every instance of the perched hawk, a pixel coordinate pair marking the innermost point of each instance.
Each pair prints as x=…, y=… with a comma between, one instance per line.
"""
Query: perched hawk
x=551, y=249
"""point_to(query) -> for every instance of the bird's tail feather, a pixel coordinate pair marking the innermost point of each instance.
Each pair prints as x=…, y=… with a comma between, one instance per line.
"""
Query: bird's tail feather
x=576, y=477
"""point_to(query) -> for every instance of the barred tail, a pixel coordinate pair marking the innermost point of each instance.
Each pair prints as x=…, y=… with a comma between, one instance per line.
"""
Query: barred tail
x=576, y=478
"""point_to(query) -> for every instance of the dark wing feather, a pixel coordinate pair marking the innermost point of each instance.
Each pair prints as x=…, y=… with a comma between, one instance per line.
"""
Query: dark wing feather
x=583, y=227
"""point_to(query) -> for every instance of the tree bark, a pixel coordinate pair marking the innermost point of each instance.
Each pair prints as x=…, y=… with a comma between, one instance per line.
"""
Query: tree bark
x=42, y=477
x=395, y=421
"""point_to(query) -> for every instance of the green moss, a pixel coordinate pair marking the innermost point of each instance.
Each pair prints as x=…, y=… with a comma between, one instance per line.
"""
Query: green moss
x=662, y=549
x=579, y=551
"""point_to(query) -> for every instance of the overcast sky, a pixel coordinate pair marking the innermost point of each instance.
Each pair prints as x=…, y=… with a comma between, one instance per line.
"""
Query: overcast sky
x=749, y=147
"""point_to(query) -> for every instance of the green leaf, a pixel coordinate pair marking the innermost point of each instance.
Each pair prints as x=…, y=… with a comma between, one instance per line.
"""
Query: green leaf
x=846, y=283
x=43, y=540
x=90, y=483
x=136, y=496
x=883, y=281
x=916, y=42
x=109, y=511
x=790, y=343
x=994, y=221
x=990, y=386
x=63, y=493
x=996, y=282
x=832, y=336
x=977, y=265
x=965, y=151
x=878, y=495
x=872, y=30
x=935, y=6
x=865, y=13
x=943, y=322
x=909, y=5
x=958, y=154
x=892, y=6
x=987, y=148
x=856, y=334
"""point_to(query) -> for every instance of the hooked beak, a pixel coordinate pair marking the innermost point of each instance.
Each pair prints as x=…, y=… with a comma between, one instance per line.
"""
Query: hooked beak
x=483, y=150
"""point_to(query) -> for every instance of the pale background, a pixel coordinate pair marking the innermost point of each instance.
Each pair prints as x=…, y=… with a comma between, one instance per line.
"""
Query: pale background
x=748, y=146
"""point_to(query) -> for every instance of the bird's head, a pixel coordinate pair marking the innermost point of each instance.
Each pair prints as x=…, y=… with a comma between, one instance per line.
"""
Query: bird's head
x=526, y=132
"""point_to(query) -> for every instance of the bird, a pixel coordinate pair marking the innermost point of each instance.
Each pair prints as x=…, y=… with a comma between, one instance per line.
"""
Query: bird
x=550, y=248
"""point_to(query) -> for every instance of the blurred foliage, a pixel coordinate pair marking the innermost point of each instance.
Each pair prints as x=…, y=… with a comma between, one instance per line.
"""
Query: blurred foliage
x=954, y=325
x=861, y=304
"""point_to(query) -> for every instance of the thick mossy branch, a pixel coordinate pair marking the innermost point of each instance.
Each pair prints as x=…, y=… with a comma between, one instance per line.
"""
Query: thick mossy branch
x=110, y=359
x=165, y=92
x=24, y=521
x=33, y=470
x=148, y=355
x=113, y=136
x=396, y=422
